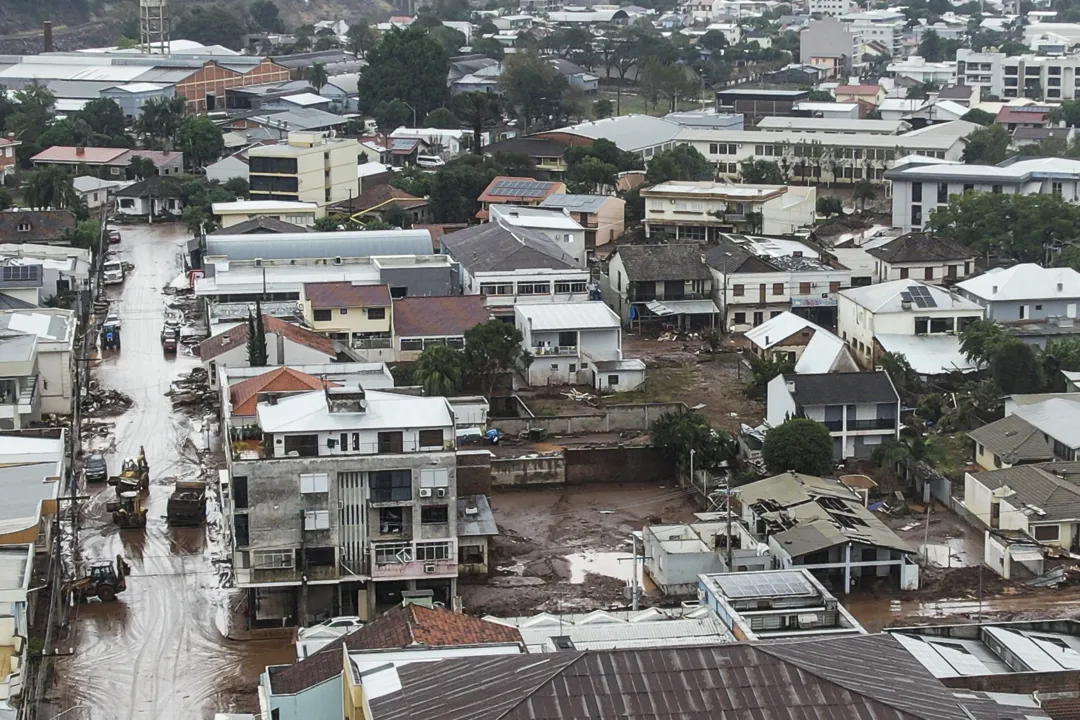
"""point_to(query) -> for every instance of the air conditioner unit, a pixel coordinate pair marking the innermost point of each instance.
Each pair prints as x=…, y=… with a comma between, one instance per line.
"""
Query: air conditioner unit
x=425, y=492
x=258, y=262
x=337, y=261
x=429, y=568
x=440, y=492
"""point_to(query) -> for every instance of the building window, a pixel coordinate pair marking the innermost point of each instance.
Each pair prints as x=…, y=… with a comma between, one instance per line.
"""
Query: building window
x=431, y=438
x=916, y=192
x=376, y=313
x=1047, y=533
x=834, y=286
x=315, y=482
x=391, y=485
x=496, y=288
x=1056, y=186
x=943, y=193
x=391, y=442
x=536, y=288
x=322, y=316
x=24, y=227
x=738, y=290
x=429, y=552
x=271, y=559
x=434, y=515
x=916, y=216
x=996, y=189
x=804, y=288
x=778, y=289
x=739, y=318
x=471, y=554
x=393, y=552
x=903, y=273
x=316, y=519
x=343, y=311
x=928, y=273
x=612, y=379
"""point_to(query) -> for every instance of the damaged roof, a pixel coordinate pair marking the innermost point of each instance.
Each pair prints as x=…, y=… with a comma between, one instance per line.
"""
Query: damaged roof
x=650, y=263
x=1014, y=440
x=920, y=247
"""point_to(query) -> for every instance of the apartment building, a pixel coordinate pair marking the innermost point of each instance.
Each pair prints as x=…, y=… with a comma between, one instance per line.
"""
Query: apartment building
x=919, y=187
x=340, y=500
x=831, y=8
x=918, y=69
x=759, y=278
x=695, y=211
x=885, y=27
x=359, y=315
x=553, y=223
x=829, y=158
x=1037, y=77
x=830, y=45
x=602, y=216
x=308, y=167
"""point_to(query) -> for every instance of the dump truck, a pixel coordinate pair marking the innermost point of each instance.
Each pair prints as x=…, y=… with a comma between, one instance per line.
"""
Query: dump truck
x=128, y=511
x=102, y=580
x=187, y=504
x=135, y=475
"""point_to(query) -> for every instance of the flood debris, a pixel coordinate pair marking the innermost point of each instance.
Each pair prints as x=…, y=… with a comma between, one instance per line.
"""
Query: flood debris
x=104, y=402
x=191, y=392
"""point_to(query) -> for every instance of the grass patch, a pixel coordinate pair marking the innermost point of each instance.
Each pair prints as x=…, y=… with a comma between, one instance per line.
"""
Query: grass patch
x=948, y=453
x=662, y=384
x=634, y=104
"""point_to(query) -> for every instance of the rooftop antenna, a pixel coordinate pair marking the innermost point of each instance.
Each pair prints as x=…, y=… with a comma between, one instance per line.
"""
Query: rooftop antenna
x=154, y=26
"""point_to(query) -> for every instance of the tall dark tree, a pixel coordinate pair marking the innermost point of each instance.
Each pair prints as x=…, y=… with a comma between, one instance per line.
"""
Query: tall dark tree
x=477, y=112
x=682, y=162
x=265, y=14
x=211, y=25
x=408, y=65
x=799, y=445
x=492, y=350
x=532, y=87
x=256, y=344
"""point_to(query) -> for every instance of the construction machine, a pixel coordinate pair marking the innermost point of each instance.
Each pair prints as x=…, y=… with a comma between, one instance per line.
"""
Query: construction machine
x=102, y=580
x=135, y=475
x=128, y=511
x=187, y=504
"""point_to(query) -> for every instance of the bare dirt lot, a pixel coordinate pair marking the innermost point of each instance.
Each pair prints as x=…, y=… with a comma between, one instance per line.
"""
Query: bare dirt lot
x=563, y=549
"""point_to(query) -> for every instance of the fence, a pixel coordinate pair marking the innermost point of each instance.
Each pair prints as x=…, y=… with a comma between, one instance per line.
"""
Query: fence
x=583, y=466
x=612, y=418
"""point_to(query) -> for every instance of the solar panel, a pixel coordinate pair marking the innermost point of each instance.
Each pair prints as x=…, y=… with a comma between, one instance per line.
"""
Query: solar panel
x=763, y=584
x=921, y=296
x=520, y=188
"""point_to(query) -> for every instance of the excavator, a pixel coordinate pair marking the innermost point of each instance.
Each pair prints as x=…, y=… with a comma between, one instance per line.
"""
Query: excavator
x=102, y=580
x=134, y=475
x=128, y=511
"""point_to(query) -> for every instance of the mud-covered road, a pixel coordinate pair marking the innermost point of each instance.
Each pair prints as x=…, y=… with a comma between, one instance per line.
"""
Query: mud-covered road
x=157, y=651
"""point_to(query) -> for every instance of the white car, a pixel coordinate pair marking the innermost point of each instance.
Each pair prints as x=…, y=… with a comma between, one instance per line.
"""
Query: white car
x=429, y=161
x=111, y=319
x=310, y=640
x=344, y=623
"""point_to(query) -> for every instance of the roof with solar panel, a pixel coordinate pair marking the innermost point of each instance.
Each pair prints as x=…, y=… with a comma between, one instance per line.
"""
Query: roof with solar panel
x=908, y=296
x=522, y=190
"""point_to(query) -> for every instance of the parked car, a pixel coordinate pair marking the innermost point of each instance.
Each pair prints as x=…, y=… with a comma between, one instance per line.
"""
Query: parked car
x=429, y=161
x=113, y=233
x=113, y=272
x=95, y=469
x=344, y=623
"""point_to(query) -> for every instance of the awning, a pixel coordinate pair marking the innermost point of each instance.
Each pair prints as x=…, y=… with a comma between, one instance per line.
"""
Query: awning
x=682, y=307
x=1026, y=555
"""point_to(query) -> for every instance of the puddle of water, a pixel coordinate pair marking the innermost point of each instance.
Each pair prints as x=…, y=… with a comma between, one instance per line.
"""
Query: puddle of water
x=618, y=565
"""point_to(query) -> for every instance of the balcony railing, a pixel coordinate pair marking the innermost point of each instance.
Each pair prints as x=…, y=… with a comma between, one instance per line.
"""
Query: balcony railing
x=853, y=425
x=392, y=560
x=548, y=350
x=376, y=343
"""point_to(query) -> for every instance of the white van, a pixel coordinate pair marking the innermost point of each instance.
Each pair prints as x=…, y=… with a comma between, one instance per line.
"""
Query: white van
x=113, y=272
x=429, y=161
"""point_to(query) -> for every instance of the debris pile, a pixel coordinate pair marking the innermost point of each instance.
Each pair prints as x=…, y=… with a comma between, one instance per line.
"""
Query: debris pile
x=191, y=392
x=104, y=402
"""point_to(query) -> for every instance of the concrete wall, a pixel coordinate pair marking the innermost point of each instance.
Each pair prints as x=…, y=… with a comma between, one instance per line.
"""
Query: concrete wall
x=583, y=466
x=634, y=416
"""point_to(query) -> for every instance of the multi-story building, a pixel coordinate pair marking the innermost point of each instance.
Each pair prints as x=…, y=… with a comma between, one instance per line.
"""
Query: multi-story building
x=359, y=315
x=695, y=211
x=553, y=223
x=340, y=500
x=308, y=167
x=670, y=281
x=831, y=8
x=918, y=188
x=830, y=45
x=1037, y=77
x=922, y=256
x=826, y=157
x=754, y=103
x=602, y=216
x=1025, y=292
x=921, y=71
x=886, y=27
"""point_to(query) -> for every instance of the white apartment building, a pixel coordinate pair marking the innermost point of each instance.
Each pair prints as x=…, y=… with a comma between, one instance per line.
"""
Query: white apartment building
x=308, y=167
x=886, y=27
x=834, y=8
x=339, y=500
x=825, y=158
x=700, y=210
x=1038, y=77
x=834, y=126
x=919, y=70
x=919, y=188
x=555, y=224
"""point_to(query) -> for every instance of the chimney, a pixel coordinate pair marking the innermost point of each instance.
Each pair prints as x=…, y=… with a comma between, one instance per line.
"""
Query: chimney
x=80, y=150
x=46, y=31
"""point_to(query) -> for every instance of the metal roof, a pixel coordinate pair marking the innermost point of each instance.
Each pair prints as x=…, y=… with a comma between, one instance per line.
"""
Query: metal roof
x=771, y=584
x=629, y=132
x=289, y=246
x=575, y=203
x=544, y=317
x=480, y=522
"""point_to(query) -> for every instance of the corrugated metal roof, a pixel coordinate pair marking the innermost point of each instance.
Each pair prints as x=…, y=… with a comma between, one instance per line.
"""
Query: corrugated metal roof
x=543, y=317
x=289, y=246
x=478, y=523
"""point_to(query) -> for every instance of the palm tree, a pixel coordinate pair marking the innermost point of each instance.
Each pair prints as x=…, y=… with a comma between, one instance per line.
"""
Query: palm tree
x=864, y=192
x=478, y=112
x=48, y=187
x=438, y=370
x=318, y=76
x=160, y=119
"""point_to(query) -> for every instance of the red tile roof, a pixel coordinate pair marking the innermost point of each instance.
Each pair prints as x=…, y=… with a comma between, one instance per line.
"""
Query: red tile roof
x=1022, y=114
x=857, y=90
x=404, y=626
x=244, y=395
x=346, y=295
x=438, y=316
x=216, y=345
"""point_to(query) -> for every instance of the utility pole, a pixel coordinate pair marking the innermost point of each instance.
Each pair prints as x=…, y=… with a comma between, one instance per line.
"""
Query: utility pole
x=303, y=571
x=727, y=494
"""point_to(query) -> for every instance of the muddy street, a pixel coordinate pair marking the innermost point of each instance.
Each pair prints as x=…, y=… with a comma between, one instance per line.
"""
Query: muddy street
x=156, y=652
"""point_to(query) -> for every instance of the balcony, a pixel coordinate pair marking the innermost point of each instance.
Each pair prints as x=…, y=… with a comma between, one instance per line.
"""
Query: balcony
x=857, y=425
x=372, y=343
x=553, y=350
x=402, y=560
x=286, y=575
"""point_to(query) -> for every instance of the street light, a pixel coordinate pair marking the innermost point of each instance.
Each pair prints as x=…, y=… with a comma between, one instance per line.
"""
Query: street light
x=413, y=112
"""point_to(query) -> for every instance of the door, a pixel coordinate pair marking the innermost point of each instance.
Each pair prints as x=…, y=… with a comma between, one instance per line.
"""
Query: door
x=759, y=317
x=761, y=294
x=1070, y=310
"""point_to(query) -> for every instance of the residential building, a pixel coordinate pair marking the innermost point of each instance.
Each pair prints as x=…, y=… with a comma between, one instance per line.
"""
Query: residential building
x=576, y=344
x=776, y=605
x=602, y=216
x=22, y=282
x=516, y=191
x=963, y=95
x=409, y=632
x=286, y=344
x=872, y=672
x=795, y=74
x=510, y=265
x=1023, y=117
x=677, y=556
x=812, y=348
x=847, y=125
x=830, y=45
x=8, y=161
x=476, y=523
x=260, y=225
x=1055, y=415
x=20, y=382
x=922, y=72
x=670, y=281
x=308, y=167
x=108, y=163
x=755, y=104
x=831, y=8
x=818, y=158
x=280, y=124
x=1037, y=77
x=387, y=460
x=242, y=388
x=53, y=330
x=420, y=322
x=35, y=226
x=1041, y=500
x=555, y=224
x=442, y=142
x=1010, y=441
x=229, y=214
x=374, y=201
x=1024, y=292
x=884, y=27
x=757, y=278
x=922, y=256
x=694, y=211
x=63, y=269
x=902, y=308
x=860, y=409
x=919, y=188
x=642, y=135
x=16, y=569
x=156, y=196
x=94, y=191
x=547, y=154
x=870, y=94
x=33, y=467
x=357, y=315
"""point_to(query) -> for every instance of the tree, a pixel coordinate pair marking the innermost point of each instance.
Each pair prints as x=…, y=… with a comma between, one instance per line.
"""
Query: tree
x=603, y=108
x=477, y=112
x=677, y=434
x=106, y=118
x=761, y=172
x=238, y=187
x=589, y=175
x=442, y=118
x=493, y=349
x=682, y=162
x=413, y=180
x=532, y=87
x=48, y=187
x=799, y=445
x=6, y=201
x=1015, y=368
x=981, y=340
x=317, y=76
x=86, y=235
x=986, y=146
x=1059, y=355
x=979, y=117
x=395, y=217
x=362, y=39
x=160, y=120
x=930, y=47
x=256, y=338
x=438, y=370
x=391, y=115
x=821, y=96
x=450, y=39
x=28, y=118
x=200, y=140
x=764, y=369
x=408, y=66
x=864, y=192
x=489, y=47
x=265, y=14
x=828, y=205
x=196, y=219
x=140, y=167
x=658, y=79
x=211, y=25
x=921, y=91
x=903, y=376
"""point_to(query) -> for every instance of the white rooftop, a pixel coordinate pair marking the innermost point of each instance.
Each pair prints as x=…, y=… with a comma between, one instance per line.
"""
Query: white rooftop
x=820, y=355
x=629, y=132
x=308, y=413
x=928, y=354
x=689, y=187
x=886, y=298
x=139, y=87
x=1057, y=417
x=587, y=315
x=305, y=99
x=1026, y=281
x=530, y=217
x=262, y=206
